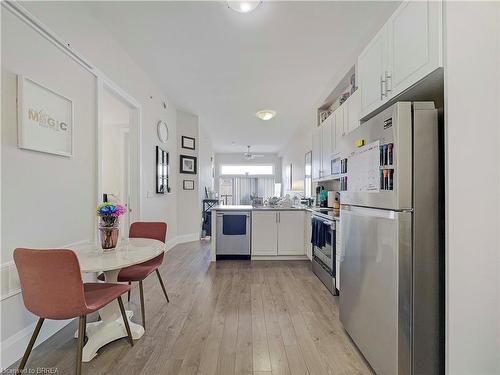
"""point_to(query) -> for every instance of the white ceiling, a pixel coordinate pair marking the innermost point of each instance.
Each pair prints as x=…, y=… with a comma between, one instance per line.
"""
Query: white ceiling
x=224, y=66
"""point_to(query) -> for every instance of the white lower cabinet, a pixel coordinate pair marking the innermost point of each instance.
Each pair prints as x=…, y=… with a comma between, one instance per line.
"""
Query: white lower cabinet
x=264, y=233
x=277, y=233
x=307, y=234
x=290, y=233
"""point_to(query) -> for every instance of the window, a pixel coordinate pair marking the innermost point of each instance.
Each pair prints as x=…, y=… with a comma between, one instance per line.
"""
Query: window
x=246, y=170
x=241, y=190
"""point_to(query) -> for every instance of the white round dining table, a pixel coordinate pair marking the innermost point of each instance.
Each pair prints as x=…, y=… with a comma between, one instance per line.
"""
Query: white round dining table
x=93, y=259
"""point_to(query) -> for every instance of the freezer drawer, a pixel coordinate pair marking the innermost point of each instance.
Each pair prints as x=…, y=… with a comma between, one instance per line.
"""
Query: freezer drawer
x=375, y=305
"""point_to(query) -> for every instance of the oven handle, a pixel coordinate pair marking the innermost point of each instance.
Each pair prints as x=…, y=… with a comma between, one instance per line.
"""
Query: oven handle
x=330, y=224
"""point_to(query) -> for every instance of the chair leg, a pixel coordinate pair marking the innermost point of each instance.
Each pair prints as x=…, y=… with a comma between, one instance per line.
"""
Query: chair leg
x=128, y=293
x=30, y=344
x=161, y=283
x=141, y=293
x=81, y=340
x=125, y=321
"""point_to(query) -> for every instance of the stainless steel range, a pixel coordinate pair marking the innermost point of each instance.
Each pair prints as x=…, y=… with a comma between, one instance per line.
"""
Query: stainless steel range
x=323, y=243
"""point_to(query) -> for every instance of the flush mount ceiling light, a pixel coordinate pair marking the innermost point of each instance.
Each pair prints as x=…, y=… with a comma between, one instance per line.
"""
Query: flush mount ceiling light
x=243, y=6
x=266, y=114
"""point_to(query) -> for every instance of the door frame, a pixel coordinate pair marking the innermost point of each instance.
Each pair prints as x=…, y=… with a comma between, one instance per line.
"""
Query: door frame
x=135, y=120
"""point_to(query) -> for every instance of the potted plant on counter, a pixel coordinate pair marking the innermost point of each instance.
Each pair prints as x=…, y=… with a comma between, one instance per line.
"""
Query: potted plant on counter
x=109, y=223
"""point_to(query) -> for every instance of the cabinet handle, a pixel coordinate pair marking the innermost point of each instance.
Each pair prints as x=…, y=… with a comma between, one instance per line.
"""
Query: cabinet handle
x=388, y=88
x=382, y=86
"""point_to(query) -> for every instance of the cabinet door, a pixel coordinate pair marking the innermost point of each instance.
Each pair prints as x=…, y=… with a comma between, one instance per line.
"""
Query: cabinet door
x=307, y=234
x=415, y=40
x=339, y=125
x=291, y=233
x=316, y=153
x=371, y=64
x=326, y=146
x=353, y=111
x=333, y=139
x=264, y=233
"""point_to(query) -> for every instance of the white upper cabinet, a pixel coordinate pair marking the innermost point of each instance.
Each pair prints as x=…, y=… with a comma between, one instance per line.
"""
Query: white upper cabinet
x=290, y=232
x=405, y=50
x=352, y=112
x=326, y=146
x=339, y=125
x=371, y=64
x=415, y=40
x=316, y=153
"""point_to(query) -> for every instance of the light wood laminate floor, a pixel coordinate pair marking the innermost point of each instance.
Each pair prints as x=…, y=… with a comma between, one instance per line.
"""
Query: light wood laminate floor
x=229, y=317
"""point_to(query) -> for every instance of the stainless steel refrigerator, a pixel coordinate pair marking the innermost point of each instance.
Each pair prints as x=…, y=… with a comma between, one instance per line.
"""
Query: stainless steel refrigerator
x=391, y=242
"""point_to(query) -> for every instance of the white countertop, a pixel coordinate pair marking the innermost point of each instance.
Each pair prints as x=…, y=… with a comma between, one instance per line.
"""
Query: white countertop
x=251, y=208
x=314, y=210
x=232, y=208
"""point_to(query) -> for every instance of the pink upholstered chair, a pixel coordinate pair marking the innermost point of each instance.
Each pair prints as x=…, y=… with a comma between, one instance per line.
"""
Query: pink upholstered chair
x=138, y=272
x=52, y=288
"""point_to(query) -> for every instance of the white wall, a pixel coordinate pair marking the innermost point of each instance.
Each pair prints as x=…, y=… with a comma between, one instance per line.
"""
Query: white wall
x=472, y=102
x=294, y=153
x=112, y=160
x=90, y=38
x=189, y=213
x=205, y=162
x=49, y=200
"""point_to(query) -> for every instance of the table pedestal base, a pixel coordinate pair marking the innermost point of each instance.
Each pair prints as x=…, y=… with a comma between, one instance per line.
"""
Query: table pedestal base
x=101, y=333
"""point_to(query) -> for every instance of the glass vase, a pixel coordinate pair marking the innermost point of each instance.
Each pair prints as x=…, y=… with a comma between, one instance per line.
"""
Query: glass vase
x=109, y=233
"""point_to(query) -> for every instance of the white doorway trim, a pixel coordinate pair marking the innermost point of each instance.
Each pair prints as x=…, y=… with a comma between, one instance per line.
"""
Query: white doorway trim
x=135, y=121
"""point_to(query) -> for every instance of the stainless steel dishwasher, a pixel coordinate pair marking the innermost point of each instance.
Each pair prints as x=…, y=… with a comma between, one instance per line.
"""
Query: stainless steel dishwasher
x=233, y=235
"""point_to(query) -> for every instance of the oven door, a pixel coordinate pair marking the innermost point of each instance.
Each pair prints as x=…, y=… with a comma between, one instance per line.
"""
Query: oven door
x=326, y=254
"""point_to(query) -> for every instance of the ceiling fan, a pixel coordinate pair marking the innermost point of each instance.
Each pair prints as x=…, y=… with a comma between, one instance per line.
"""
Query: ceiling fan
x=249, y=156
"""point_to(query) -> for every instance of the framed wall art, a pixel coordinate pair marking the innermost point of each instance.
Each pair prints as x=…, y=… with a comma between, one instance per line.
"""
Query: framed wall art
x=188, y=164
x=188, y=184
x=45, y=119
x=188, y=143
x=162, y=170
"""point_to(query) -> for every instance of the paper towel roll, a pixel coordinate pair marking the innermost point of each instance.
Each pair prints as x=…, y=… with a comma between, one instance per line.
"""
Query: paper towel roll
x=331, y=199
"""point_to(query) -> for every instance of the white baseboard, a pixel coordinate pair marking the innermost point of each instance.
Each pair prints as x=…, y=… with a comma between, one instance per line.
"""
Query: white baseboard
x=14, y=346
x=188, y=238
x=182, y=239
x=280, y=257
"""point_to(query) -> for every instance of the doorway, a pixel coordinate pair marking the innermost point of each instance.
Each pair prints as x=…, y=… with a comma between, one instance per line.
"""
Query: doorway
x=119, y=152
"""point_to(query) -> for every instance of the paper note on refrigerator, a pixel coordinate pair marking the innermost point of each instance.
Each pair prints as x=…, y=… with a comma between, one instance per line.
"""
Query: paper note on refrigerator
x=364, y=169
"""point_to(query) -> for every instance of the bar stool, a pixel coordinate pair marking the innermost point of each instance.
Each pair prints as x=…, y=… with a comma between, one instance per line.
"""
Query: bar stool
x=52, y=288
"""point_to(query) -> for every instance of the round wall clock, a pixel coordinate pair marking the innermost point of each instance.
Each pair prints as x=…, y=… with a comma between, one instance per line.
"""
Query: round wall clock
x=162, y=130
